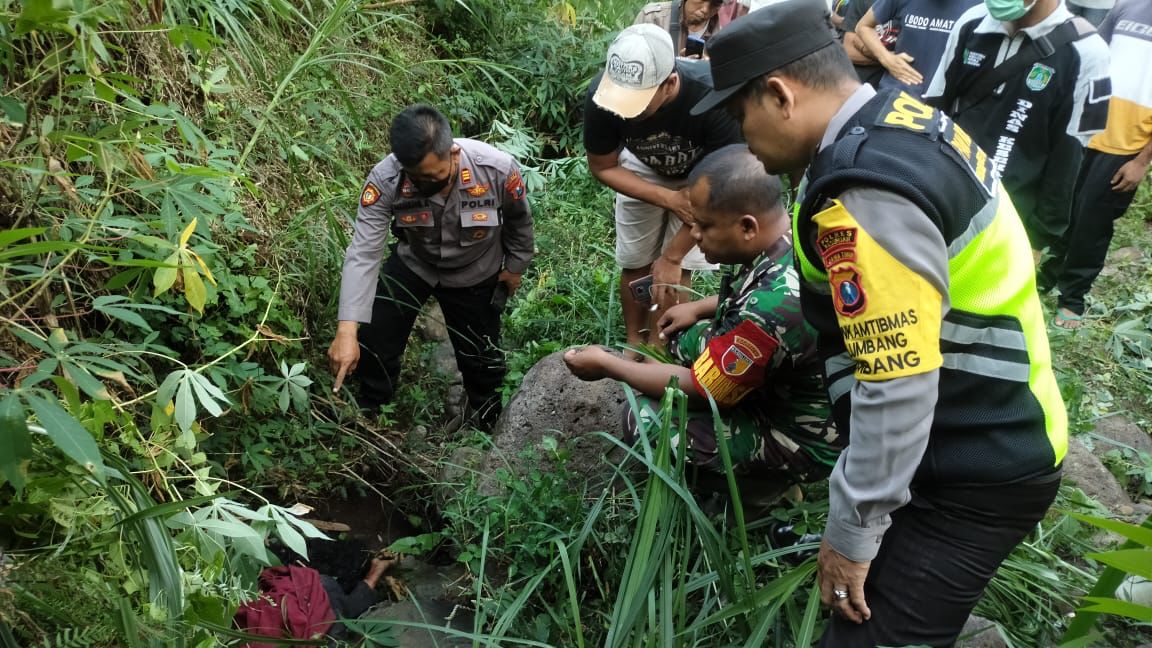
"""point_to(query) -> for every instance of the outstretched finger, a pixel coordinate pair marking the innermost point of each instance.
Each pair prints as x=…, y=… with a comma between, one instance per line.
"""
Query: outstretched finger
x=339, y=382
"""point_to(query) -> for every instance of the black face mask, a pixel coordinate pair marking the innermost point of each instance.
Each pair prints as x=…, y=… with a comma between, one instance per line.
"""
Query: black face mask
x=429, y=188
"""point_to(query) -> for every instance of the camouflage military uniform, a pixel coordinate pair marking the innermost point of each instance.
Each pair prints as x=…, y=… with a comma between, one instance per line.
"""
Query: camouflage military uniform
x=757, y=358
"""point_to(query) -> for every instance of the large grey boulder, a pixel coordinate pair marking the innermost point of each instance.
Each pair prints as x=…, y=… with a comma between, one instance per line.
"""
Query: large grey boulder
x=1118, y=431
x=1085, y=470
x=554, y=403
x=979, y=632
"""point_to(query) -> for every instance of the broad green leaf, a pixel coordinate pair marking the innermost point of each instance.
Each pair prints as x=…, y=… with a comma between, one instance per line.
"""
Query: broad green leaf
x=14, y=111
x=11, y=236
x=1132, y=561
x=168, y=388
x=202, y=394
x=15, y=441
x=83, y=378
x=292, y=538
x=285, y=399
x=124, y=316
x=185, y=406
x=1140, y=534
x=1119, y=608
x=166, y=276
x=194, y=289
x=68, y=435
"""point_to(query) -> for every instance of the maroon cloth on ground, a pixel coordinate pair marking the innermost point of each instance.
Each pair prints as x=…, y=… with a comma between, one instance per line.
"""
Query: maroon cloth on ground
x=292, y=604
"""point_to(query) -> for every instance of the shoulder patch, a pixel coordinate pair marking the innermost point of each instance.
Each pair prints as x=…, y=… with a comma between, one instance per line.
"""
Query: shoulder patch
x=370, y=195
x=837, y=245
x=726, y=367
x=848, y=290
x=514, y=186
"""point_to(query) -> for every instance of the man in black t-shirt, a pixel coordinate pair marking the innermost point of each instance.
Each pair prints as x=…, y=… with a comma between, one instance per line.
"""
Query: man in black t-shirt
x=642, y=143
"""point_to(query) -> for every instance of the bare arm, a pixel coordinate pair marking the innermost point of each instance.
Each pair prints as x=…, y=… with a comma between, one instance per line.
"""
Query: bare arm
x=648, y=378
x=607, y=169
x=897, y=64
x=858, y=54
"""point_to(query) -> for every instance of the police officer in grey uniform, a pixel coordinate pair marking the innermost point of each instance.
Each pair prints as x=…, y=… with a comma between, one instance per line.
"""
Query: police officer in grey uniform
x=463, y=229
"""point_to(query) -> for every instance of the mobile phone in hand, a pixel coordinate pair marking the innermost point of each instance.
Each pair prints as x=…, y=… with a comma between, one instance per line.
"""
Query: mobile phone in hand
x=693, y=45
x=499, y=297
x=642, y=289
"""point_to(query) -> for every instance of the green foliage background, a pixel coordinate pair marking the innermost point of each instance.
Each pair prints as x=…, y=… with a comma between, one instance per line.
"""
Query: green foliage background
x=176, y=185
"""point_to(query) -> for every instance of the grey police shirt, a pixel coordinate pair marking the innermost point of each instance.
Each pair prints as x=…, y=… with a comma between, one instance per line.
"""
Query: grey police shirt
x=456, y=240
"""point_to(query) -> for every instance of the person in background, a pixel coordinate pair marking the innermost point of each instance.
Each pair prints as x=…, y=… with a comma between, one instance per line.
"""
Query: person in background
x=924, y=29
x=684, y=19
x=642, y=143
x=460, y=212
x=748, y=347
x=1029, y=83
x=868, y=69
x=1093, y=11
x=914, y=270
x=1115, y=163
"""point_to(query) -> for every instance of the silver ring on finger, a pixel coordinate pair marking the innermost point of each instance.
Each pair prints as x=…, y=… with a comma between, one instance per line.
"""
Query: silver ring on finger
x=839, y=595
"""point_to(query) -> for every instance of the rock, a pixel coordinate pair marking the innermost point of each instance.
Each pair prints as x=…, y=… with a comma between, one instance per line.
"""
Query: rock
x=433, y=613
x=444, y=362
x=459, y=468
x=427, y=582
x=554, y=403
x=1119, y=432
x=1126, y=254
x=430, y=325
x=979, y=632
x=1085, y=470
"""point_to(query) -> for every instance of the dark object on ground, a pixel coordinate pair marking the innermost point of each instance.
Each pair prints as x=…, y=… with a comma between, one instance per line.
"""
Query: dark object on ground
x=784, y=535
x=344, y=560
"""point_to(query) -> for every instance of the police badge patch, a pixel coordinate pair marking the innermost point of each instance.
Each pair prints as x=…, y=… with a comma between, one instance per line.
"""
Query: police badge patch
x=478, y=190
x=1039, y=77
x=847, y=291
x=369, y=196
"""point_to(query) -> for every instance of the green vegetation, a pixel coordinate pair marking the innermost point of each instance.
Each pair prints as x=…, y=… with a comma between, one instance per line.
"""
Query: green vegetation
x=175, y=188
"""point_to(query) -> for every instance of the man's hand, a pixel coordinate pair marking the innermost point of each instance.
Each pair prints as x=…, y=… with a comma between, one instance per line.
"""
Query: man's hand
x=1129, y=176
x=677, y=318
x=677, y=202
x=586, y=363
x=900, y=66
x=344, y=353
x=665, y=281
x=512, y=279
x=838, y=574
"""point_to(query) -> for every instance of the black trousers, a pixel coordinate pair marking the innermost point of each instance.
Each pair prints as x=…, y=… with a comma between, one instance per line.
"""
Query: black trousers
x=1078, y=257
x=473, y=328
x=347, y=605
x=936, y=559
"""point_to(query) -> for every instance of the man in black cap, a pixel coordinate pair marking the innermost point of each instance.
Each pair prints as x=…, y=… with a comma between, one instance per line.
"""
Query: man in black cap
x=916, y=274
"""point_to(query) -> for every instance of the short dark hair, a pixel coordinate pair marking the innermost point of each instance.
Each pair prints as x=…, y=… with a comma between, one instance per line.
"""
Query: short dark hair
x=737, y=182
x=824, y=69
x=417, y=131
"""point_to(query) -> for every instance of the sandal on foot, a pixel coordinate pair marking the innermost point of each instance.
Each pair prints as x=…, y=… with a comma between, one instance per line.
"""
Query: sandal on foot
x=1067, y=320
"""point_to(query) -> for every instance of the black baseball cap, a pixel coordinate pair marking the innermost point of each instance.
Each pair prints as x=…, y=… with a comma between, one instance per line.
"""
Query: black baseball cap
x=764, y=40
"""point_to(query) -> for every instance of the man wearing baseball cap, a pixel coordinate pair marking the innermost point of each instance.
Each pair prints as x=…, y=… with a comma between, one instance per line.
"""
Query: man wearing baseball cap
x=642, y=142
x=917, y=275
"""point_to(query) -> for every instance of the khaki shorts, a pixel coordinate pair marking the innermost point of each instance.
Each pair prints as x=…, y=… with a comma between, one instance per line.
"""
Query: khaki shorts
x=643, y=230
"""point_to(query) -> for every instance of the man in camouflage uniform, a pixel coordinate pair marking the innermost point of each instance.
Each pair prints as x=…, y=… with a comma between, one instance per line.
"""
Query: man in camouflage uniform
x=749, y=347
x=459, y=211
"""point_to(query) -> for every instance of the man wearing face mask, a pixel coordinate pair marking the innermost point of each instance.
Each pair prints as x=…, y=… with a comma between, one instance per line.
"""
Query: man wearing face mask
x=459, y=211
x=641, y=142
x=1030, y=83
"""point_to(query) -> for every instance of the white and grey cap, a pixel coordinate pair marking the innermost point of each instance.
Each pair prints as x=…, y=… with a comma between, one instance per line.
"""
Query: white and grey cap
x=639, y=60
